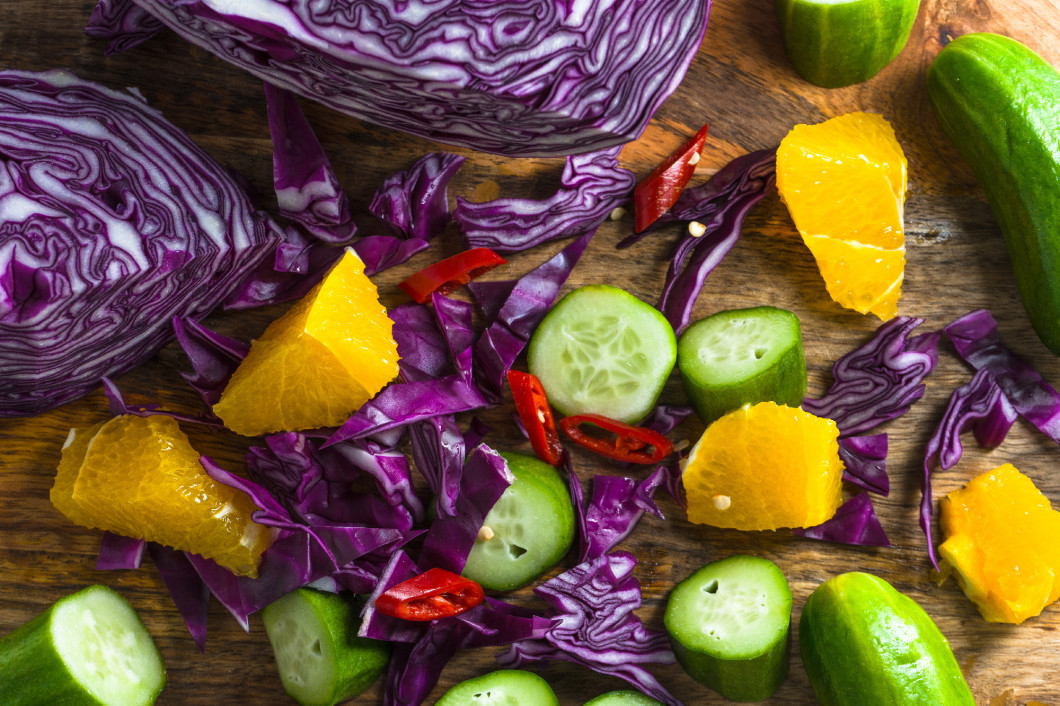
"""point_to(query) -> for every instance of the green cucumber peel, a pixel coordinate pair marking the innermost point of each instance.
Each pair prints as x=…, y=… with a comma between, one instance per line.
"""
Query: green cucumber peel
x=601, y=350
x=320, y=658
x=729, y=624
x=505, y=687
x=88, y=649
x=836, y=43
x=623, y=698
x=530, y=528
x=742, y=356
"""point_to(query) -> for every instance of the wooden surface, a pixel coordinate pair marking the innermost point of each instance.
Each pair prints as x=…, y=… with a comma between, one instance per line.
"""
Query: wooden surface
x=743, y=85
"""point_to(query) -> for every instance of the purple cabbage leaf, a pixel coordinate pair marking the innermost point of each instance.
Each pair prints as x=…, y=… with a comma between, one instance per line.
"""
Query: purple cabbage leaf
x=97, y=258
x=189, y=592
x=381, y=252
x=516, y=78
x=595, y=625
x=981, y=405
x=122, y=22
x=855, y=522
x=975, y=338
x=615, y=507
x=865, y=462
x=213, y=358
x=414, y=202
x=591, y=187
x=118, y=552
x=880, y=380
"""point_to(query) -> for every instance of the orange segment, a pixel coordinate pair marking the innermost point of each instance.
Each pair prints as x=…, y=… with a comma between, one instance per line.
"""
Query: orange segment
x=315, y=365
x=140, y=477
x=1001, y=541
x=763, y=467
x=844, y=183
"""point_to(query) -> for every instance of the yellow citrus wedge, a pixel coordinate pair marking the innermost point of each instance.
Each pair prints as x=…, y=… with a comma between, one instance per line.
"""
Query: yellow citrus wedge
x=844, y=183
x=764, y=467
x=140, y=477
x=1001, y=542
x=316, y=364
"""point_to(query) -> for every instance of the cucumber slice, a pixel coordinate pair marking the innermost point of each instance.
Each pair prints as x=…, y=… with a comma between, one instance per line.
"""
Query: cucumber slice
x=531, y=528
x=603, y=351
x=743, y=356
x=505, y=687
x=623, y=698
x=729, y=624
x=835, y=43
x=314, y=640
x=90, y=648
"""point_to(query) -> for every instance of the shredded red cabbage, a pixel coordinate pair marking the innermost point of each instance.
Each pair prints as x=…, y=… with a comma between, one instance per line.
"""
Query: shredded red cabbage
x=189, y=592
x=414, y=203
x=118, y=552
x=591, y=187
x=307, y=190
x=880, y=380
x=721, y=206
x=615, y=508
x=865, y=462
x=527, y=301
x=124, y=23
x=975, y=337
x=855, y=522
x=381, y=252
x=594, y=625
x=979, y=404
x=213, y=358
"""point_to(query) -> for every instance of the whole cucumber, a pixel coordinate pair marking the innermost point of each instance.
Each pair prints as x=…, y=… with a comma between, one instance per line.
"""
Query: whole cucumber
x=999, y=104
x=863, y=642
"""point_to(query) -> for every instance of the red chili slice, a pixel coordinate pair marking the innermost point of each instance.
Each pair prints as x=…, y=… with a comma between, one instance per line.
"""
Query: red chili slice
x=630, y=444
x=533, y=408
x=452, y=272
x=657, y=193
x=431, y=595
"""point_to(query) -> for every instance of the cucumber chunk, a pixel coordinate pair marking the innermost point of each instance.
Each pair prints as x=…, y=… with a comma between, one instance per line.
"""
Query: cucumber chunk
x=90, y=648
x=603, y=351
x=314, y=640
x=529, y=530
x=505, y=687
x=623, y=698
x=743, y=356
x=729, y=624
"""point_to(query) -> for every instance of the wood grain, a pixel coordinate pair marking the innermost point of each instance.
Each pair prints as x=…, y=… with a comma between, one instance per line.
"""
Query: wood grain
x=742, y=84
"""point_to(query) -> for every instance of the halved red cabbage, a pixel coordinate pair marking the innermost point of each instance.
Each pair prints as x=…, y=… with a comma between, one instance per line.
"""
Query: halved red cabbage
x=974, y=335
x=114, y=222
x=122, y=22
x=865, y=462
x=528, y=78
x=513, y=316
x=721, y=205
x=880, y=380
x=979, y=404
x=592, y=186
x=414, y=202
x=594, y=625
x=855, y=522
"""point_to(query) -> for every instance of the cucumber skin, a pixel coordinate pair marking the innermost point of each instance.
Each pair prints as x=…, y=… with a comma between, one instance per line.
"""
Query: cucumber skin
x=712, y=403
x=623, y=698
x=527, y=685
x=30, y=668
x=999, y=104
x=822, y=51
x=852, y=634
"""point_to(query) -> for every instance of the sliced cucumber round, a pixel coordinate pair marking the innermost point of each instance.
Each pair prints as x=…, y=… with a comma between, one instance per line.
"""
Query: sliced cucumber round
x=314, y=640
x=505, y=687
x=729, y=624
x=742, y=356
x=835, y=43
x=601, y=350
x=623, y=698
x=528, y=531
x=89, y=649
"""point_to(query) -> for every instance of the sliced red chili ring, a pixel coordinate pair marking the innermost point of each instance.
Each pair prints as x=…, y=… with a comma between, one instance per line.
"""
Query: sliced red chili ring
x=655, y=194
x=452, y=272
x=536, y=415
x=630, y=444
x=431, y=595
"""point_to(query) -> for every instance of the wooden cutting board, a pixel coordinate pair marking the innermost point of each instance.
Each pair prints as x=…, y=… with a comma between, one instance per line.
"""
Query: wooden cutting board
x=742, y=84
